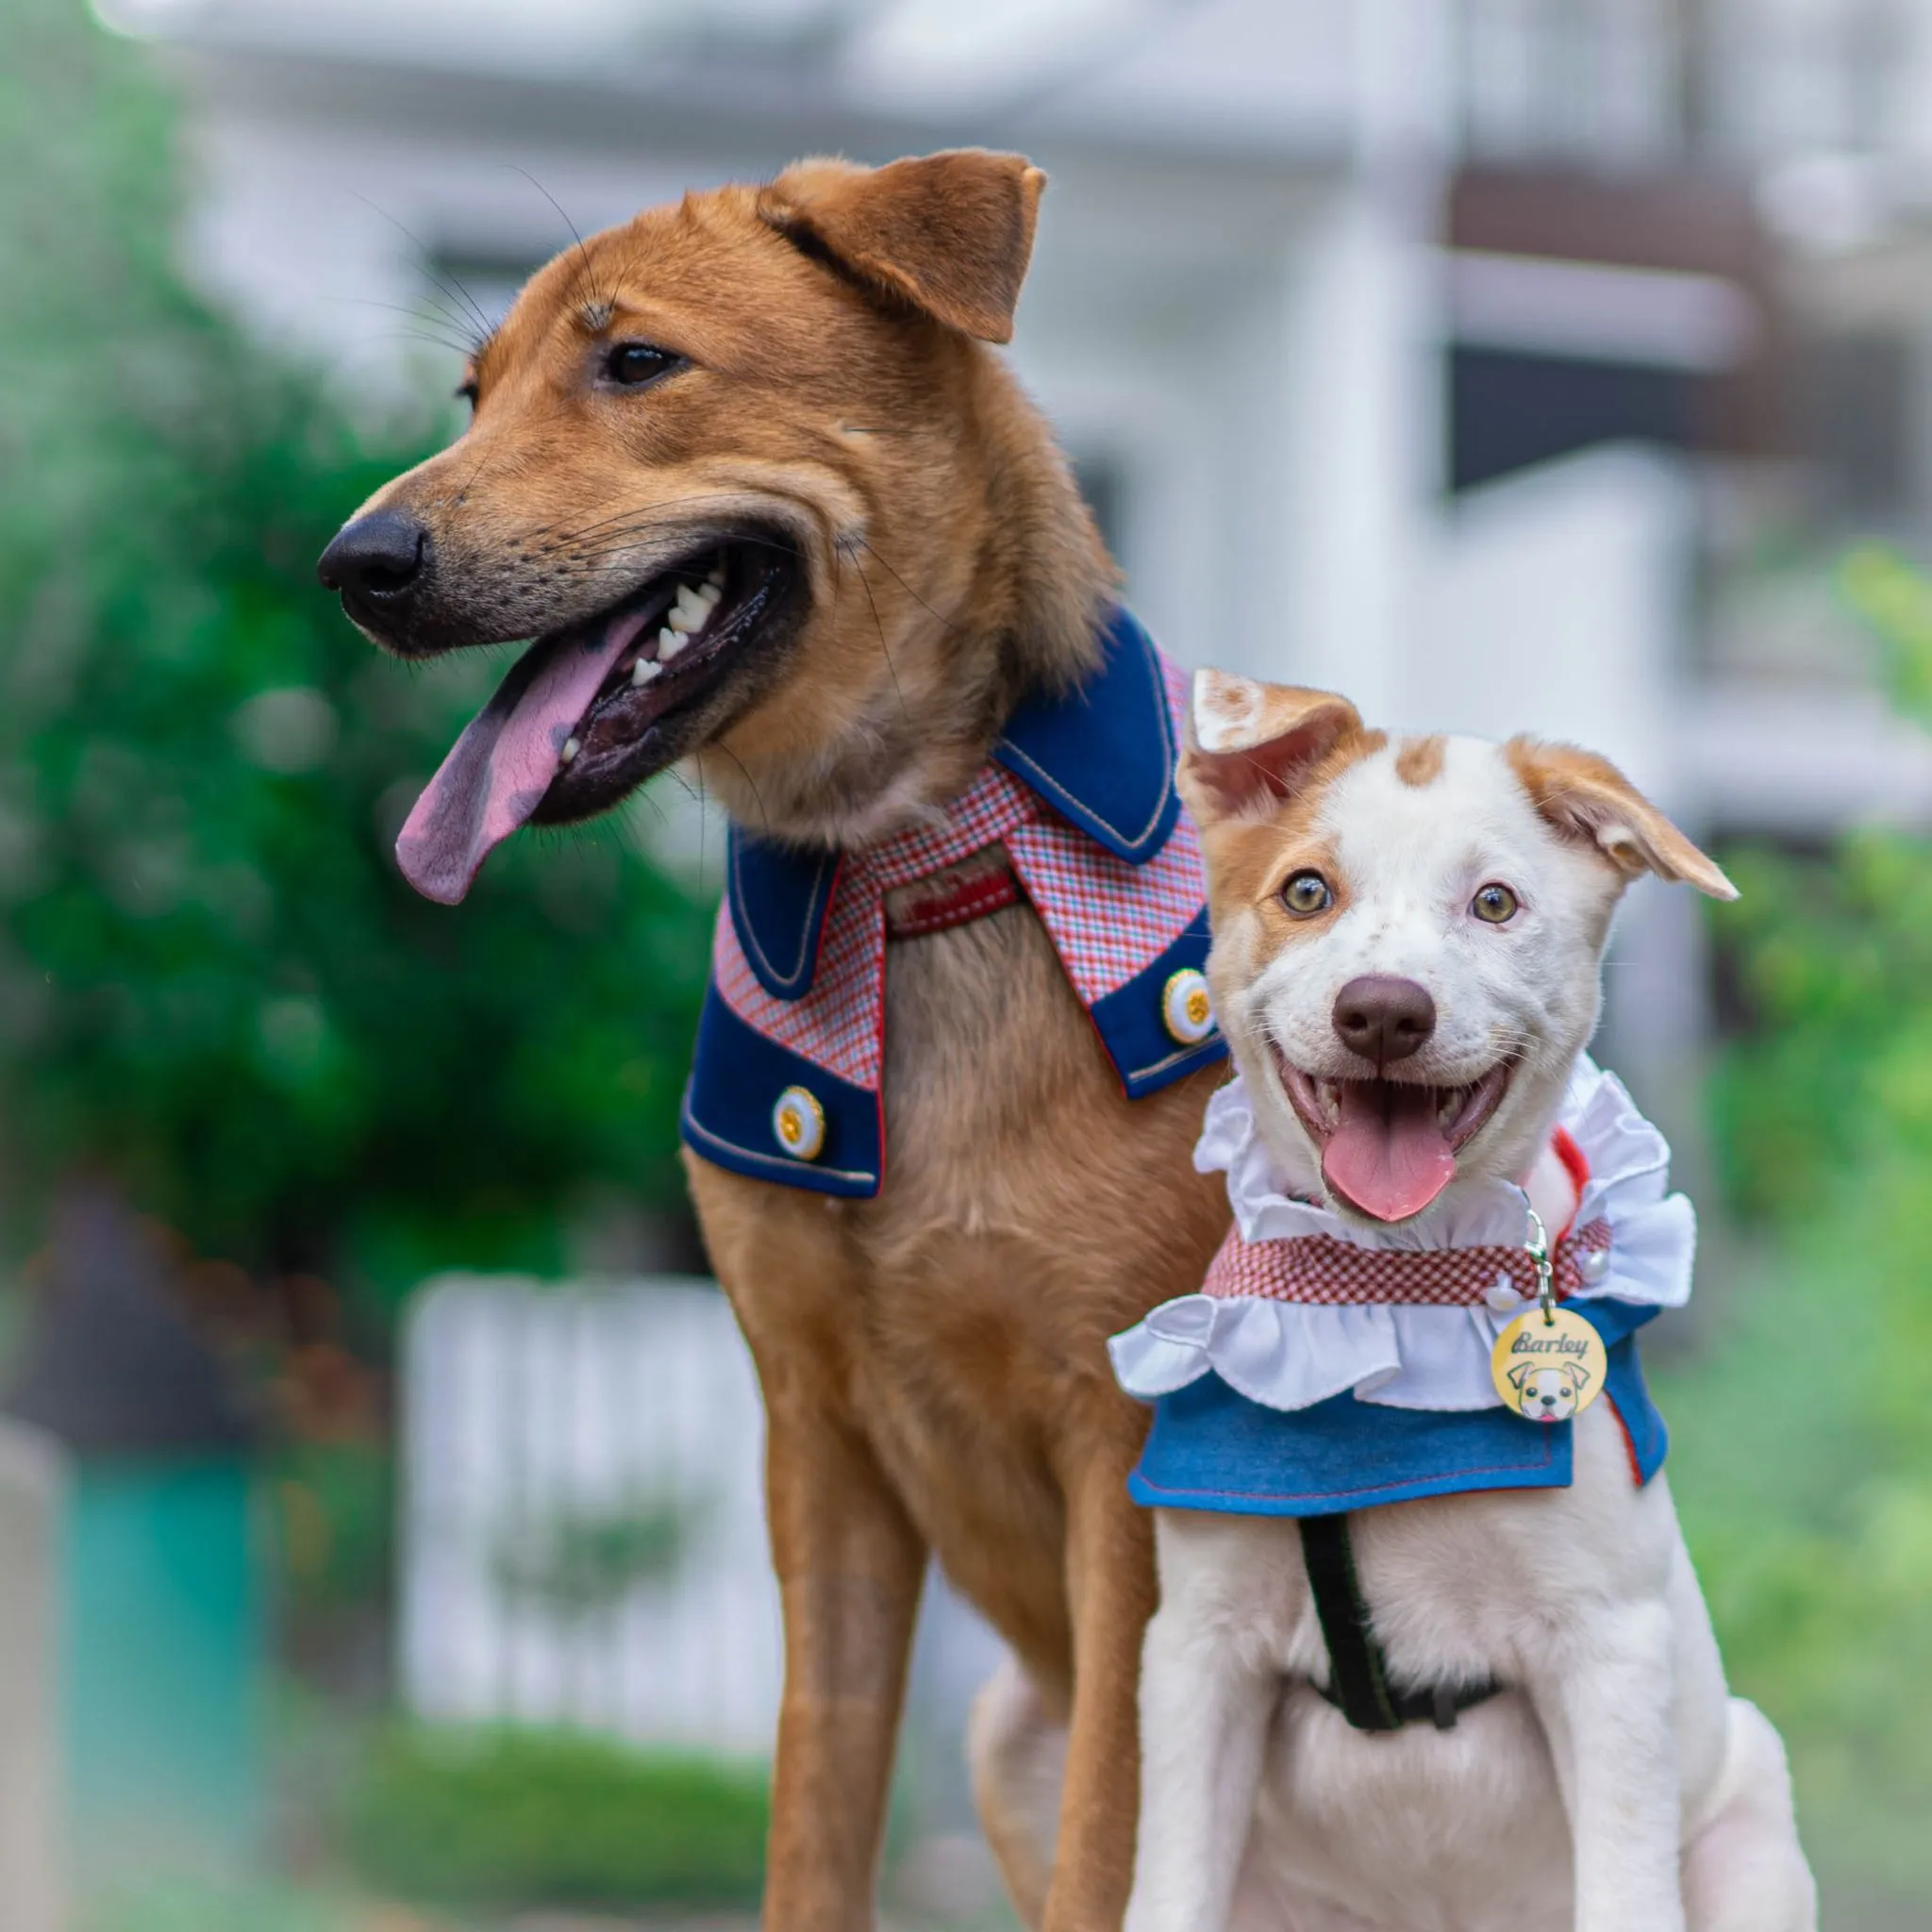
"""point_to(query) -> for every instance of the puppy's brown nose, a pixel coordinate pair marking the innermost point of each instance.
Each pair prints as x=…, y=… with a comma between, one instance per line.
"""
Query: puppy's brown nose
x=1384, y=1018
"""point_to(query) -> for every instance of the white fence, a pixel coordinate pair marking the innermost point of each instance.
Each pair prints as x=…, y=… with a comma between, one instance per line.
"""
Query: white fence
x=584, y=1530
x=584, y=1534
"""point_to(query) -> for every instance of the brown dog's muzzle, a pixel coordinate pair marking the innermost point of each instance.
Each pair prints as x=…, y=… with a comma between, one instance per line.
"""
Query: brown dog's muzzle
x=606, y=696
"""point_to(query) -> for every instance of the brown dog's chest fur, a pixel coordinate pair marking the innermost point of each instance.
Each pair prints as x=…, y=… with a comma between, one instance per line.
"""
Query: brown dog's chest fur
x=959, y=1320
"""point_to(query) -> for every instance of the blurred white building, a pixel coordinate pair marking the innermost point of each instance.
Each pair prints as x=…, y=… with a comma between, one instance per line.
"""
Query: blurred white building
x=1479, y=359
x=1429, y=349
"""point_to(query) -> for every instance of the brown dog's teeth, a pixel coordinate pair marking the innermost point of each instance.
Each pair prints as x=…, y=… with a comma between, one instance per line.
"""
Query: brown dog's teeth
x=690, y=611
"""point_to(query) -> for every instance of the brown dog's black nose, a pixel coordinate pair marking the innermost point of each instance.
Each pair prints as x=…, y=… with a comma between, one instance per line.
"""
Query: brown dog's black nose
x=377, y=563
x=1384, y=1018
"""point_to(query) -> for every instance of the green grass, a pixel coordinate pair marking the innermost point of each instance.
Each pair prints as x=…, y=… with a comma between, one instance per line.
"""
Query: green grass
x=508, y=1818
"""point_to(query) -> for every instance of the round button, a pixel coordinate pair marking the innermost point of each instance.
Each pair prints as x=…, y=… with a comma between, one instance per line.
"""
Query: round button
x=1185, y=1007
x=798, y=1122
x=1500, y=1295
x=1592, y=1265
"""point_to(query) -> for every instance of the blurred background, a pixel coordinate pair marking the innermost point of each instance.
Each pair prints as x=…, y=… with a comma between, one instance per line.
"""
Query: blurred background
x=379, y=1526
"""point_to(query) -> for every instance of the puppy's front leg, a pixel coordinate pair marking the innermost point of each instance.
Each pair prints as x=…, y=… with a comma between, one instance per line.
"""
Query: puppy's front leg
x=1606, y=1701
x=849, y=1568
x=1206, y=1702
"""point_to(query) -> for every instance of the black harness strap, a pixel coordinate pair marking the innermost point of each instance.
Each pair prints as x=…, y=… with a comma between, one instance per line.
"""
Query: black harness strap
x=1358, y=1671
x=1358, y=1683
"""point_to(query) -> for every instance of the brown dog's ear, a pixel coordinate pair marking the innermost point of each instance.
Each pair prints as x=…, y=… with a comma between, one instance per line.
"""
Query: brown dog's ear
x=1587, y=797
x=950, y=233
x=1251, y=744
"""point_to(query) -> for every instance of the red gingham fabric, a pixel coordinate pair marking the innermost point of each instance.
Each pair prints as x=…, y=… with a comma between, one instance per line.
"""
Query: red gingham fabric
x=1107, y=919
x=1323, y=1271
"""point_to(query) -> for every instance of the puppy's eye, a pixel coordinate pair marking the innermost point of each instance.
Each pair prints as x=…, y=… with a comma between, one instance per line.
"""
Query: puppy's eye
x=466, y=392
x=1307, y=894
x=631, y=363
x=1494, y=904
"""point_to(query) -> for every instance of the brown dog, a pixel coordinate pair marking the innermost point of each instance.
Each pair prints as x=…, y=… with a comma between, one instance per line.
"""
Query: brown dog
x=792, y=378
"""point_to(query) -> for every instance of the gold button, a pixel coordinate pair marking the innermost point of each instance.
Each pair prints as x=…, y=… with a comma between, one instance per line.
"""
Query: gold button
x=1186, y=1008
x=799, y=1122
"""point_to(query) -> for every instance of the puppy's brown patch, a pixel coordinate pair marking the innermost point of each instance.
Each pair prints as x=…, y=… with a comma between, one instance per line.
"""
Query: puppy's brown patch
x=1419, y=763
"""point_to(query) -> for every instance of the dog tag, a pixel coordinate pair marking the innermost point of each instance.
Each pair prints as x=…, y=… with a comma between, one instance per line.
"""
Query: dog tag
x=1548, y=1364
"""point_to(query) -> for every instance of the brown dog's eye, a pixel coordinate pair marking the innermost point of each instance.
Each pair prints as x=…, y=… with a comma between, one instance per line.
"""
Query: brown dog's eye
x=631, y=363
x=1307, y=894
x=466, y=392
x=1494, y=904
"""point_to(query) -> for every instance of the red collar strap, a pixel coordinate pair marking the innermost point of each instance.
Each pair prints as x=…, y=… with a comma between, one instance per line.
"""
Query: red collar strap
x=957, y=895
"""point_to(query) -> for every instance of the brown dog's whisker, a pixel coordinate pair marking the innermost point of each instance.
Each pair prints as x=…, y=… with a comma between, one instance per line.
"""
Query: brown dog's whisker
x=461, y=342
x=885, y=649
x=637, y=512
x=752, y=782
x=945, y=622
x=449, y=283
x=417, y=335
x=576, y=234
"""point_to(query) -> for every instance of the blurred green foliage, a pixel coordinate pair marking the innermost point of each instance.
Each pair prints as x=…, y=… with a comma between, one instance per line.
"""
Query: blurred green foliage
x=1803, y=1455
x=511, y=1817
x=584, y=1562
x=213, y=983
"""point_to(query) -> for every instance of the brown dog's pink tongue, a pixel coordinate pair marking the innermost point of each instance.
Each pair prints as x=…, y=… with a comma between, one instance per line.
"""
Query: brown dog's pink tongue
x=1389, y=1156
x=498, y=771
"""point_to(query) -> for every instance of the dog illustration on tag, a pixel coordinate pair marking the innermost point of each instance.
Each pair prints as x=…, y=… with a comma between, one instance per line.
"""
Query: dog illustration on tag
x=1549, y=1367
x=1548, y=1391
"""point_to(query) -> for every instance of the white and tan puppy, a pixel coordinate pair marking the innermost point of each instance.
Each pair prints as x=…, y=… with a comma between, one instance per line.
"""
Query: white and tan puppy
x=1409, y=938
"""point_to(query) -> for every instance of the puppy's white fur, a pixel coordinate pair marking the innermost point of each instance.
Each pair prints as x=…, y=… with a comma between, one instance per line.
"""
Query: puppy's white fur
x=1613, y=1785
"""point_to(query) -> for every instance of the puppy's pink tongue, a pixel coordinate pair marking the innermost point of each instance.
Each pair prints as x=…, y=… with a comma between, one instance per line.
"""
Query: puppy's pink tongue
x=1387, y=1156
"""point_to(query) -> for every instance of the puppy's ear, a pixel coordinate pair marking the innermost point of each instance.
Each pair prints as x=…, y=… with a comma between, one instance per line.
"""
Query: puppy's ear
x=950, y=233
x=1251, y=744
x=1521, y=1374
x=1585, y=797
x=1579, y=1377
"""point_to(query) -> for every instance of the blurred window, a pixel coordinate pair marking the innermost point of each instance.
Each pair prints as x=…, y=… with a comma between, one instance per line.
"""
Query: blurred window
x=1859, y=411
x=1587, y=308
x=1508, y=409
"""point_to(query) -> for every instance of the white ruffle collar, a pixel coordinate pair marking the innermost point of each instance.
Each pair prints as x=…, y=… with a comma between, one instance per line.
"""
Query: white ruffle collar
x=1290, y=1355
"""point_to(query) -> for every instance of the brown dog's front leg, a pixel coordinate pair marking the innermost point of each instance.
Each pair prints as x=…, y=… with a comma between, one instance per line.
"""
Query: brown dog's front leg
x=1111, y=1581
x=849, y=1568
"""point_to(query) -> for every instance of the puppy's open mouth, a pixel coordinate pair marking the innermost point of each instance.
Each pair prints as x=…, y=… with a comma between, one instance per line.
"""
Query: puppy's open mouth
x=591, y=711
x=1388, y=1147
